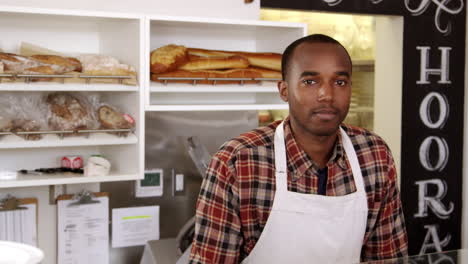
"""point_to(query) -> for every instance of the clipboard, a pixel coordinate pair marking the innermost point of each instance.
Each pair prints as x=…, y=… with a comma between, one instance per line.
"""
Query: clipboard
x=83, y=228
x=18, y=220
x=83, y=197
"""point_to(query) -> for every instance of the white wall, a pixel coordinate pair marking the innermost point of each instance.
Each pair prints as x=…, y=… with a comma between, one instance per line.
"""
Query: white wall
x=388, y=87
x=235, y=9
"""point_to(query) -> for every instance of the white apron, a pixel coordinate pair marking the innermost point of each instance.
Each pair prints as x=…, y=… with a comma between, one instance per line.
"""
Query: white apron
x=306, y=228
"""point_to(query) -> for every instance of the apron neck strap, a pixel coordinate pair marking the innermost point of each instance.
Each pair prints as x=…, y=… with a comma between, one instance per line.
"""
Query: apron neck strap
x=281, y=169
x=353, y=161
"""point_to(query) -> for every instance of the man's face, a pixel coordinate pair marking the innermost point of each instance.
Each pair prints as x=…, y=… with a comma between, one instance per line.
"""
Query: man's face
x=318, y=87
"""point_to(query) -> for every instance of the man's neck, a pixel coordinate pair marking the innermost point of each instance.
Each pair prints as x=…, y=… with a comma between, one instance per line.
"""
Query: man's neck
x=319, y=148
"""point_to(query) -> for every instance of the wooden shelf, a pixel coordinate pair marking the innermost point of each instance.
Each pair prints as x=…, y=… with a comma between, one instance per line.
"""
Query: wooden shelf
x=70, y=178
x=95, y=139
x=44, y=86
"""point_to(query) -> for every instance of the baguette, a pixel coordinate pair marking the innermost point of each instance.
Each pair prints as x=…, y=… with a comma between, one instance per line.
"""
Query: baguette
x=267, y=73
x=38, y=64
x=39, y=70
x=209, y=53
x=59, y=63
x=17, y=64
x=236, y=62
x=43, y=69
x=266, y=60
x=168, y=58
x=271, y=61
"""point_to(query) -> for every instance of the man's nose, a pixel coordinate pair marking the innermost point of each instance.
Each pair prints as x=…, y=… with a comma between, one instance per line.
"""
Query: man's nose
x=325, y=93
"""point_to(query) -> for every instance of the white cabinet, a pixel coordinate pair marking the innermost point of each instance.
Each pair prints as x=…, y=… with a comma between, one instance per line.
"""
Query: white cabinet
x=218, y=34
x=73, y=33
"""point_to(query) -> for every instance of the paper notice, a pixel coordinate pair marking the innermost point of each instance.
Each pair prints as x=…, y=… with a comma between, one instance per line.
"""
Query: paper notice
x=134, y=226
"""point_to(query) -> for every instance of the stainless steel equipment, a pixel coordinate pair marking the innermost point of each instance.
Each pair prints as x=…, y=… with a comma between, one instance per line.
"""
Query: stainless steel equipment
x=166, y=147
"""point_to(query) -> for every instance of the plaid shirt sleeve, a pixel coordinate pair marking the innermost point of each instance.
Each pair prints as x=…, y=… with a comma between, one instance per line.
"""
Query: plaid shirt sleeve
x=388, y=237
x=217, y=228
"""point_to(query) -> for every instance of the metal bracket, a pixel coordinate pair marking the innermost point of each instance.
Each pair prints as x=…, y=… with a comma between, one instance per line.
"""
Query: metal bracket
x=56, y=190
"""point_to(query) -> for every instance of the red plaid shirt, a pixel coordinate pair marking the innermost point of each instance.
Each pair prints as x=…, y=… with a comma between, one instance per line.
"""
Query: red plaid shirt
x=237, y=193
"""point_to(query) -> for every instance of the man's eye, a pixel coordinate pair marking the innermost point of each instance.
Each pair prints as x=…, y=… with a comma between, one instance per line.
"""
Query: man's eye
x=341, y=82
x=308, y=82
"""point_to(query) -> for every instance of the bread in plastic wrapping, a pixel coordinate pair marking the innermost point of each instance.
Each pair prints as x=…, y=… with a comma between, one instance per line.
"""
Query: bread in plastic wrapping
x=6, y=124
x=94, y=64
x=24, y=113
x=111, y=118
x=67, y=111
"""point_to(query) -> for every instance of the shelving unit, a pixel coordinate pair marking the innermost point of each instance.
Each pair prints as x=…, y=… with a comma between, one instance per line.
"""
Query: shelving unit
x=218, y=34
x=73, y=33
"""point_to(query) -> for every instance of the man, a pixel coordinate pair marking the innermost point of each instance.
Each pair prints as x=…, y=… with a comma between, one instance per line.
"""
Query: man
x=308, y=189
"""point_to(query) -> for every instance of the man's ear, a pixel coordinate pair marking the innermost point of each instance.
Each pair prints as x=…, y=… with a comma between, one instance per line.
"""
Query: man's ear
x=283, y=90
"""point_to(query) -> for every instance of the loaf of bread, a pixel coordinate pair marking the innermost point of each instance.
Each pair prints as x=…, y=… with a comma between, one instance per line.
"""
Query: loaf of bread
x=5, y=124
x=216, y=63
x=17, y=64
x=94, y=64
x=38, y=64
x=209, y=53
x=232, y=73
x=168, y=61
x=113, y=119
x=43, y=69
x=2, y=67
x=40, y=70
x=26, y=125
x=59, y=63
x=168, y=58
x=68, y=112
x=270, y=61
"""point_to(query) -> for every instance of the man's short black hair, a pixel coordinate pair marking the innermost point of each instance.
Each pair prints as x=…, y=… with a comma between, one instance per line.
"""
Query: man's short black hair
x=314, y=38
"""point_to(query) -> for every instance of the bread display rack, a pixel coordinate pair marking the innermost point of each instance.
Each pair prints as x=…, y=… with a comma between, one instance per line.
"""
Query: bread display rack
x=73, y=32
x=214, y=81
x=27, y=77
x=59, y=138
x=217, y=34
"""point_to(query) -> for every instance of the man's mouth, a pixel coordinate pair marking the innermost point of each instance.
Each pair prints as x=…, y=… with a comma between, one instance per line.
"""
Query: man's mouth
x=326, y=114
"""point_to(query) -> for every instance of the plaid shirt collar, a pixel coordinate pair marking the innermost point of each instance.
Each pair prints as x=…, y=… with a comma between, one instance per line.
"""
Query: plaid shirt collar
x=300, y=163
